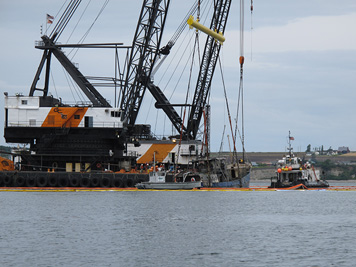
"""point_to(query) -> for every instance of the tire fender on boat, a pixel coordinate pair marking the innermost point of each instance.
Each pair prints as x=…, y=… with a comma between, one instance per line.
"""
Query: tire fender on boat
x=117, y=182
x=95, y=180
x=63, y=181
x=52, y=181
x=8, y=179
x=84, y=181
x=130, y=182
x=20, y=181
x=74, y=181
x=31, y=180
x=41, y=181
x=2, y=182
x=105, y=181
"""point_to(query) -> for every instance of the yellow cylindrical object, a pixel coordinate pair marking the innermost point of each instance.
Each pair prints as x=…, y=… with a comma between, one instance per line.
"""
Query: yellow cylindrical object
x=193, y=23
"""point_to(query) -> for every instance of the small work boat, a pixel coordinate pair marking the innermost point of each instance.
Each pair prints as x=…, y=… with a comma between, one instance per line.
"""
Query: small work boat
x=292, y=171
x=157, y=180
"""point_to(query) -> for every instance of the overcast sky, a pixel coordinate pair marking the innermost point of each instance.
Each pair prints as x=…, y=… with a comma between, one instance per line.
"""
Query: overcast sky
x=299, y=72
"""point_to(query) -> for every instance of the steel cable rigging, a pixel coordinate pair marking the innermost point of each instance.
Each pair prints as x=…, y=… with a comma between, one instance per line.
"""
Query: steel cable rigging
x=181, y=51
x=91, y=26
x=64, y=19
x=87, y=88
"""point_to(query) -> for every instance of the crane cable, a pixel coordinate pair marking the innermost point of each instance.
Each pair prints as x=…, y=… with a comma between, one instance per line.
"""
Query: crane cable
x=64, y=19
x=242, y=27
x=165, y=50
x=188, y=89
x=91, y=26
x=240, y=94
x=76, y=25
x=227, y=105
x=251, y=8
x=222, y=140
x=206, y=8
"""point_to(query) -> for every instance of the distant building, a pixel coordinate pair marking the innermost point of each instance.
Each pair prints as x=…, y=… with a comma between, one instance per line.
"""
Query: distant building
x=332, y=153
x=343, y=150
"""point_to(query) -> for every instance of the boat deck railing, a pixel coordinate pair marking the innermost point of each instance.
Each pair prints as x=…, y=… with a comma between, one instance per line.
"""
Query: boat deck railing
x=36, y=123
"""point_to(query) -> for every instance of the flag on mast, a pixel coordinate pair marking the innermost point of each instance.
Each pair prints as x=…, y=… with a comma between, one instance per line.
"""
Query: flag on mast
x=49, y=19
x=291, y=138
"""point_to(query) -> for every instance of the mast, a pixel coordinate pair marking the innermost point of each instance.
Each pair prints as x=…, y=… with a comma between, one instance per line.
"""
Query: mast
x=290, y=149
x=241, y=89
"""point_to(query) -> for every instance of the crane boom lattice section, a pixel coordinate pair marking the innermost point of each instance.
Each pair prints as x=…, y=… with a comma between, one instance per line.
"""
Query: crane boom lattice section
x=207, y=68
x=143, y=56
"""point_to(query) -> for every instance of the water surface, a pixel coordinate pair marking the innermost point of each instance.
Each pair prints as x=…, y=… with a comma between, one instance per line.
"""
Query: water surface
x=165, y=228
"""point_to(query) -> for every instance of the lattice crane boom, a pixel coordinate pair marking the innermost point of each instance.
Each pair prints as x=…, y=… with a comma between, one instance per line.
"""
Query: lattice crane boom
x=145, y=48
x=207, y=67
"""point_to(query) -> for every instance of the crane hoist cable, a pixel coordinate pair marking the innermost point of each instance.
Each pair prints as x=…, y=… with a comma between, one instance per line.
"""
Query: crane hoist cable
x=184, y=109
x=242, y=27
x=186, y=101
x=181, y=57
x=222, y=140
x=54, y=86
x=177, y=34
x=183, y=24
x=70, y=84
x=170, y=78
x=95, y=20
x=240, y=94
x=49, y=26
x=76, y=25
x=196, y=7
x=251, y=8
x=91, y=26
x=227, y=105
x=196, y=42
x=64, y=19
x=165, y=50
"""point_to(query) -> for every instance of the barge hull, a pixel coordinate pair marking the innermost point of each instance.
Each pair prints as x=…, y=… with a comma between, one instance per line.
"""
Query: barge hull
x=68, y=179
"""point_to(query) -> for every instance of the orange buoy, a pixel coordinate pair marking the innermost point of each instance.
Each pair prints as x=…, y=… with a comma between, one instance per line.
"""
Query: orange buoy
x=279, y=170
x=242, y=60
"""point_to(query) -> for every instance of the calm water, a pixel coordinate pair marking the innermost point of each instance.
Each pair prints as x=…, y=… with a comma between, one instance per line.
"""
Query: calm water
x=297, y=228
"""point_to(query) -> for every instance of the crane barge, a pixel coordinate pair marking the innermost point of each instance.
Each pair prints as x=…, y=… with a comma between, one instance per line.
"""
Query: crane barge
x=88, y=144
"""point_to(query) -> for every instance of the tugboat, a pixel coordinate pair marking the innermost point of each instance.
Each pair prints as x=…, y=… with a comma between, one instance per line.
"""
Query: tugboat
x=291, y=171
